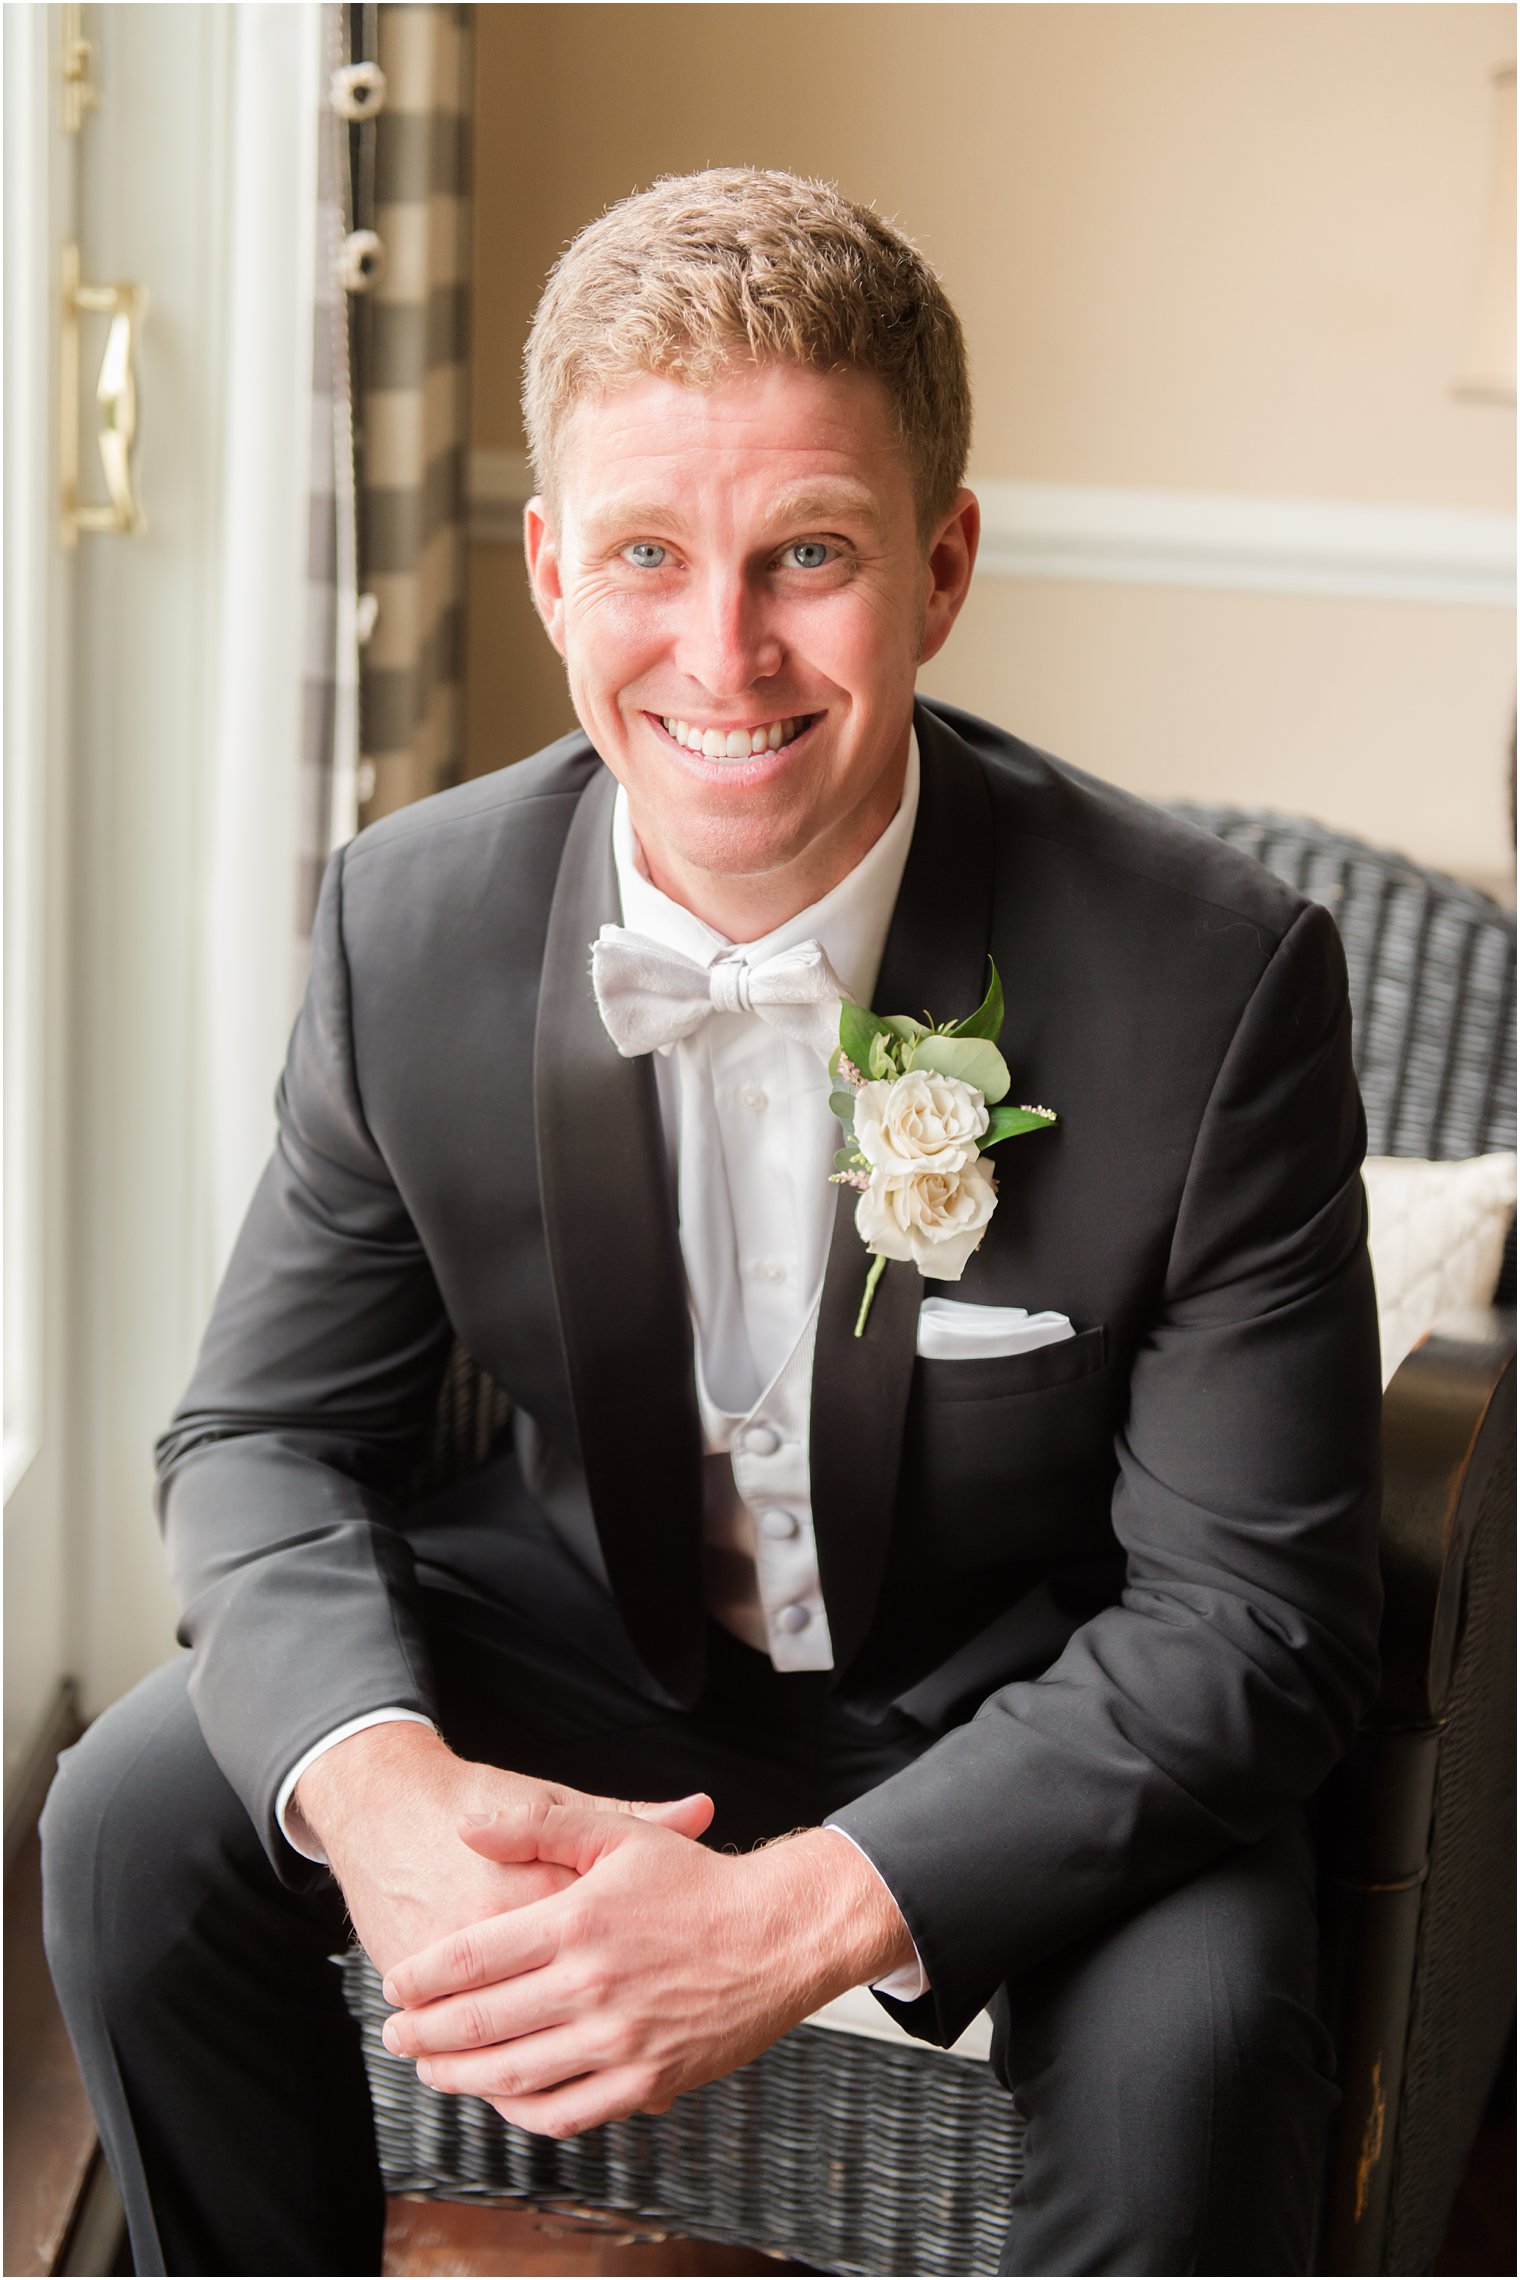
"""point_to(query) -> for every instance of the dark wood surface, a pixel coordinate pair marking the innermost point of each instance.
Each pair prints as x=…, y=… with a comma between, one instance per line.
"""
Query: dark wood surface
x=49, y=2135
x=426, y=2237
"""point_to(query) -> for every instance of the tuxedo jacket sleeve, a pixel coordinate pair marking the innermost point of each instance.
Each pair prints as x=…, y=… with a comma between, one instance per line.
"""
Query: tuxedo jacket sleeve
x=1229, y=1676
x=279, y=1474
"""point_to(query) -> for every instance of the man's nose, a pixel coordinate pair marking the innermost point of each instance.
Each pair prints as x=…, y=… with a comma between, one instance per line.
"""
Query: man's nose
x=729, y=640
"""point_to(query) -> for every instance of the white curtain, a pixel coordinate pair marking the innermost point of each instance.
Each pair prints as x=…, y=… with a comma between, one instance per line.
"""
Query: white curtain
x=251, y=974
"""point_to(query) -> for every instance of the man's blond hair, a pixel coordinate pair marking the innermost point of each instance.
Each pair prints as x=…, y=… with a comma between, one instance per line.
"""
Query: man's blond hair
x=707, y=270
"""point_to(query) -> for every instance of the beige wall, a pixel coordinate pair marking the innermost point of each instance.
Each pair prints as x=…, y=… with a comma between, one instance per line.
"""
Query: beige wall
x=1205, y=249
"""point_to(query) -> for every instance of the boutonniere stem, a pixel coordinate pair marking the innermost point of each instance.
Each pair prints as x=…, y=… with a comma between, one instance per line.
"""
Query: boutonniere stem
x=877, y=1269
x=919, y=1105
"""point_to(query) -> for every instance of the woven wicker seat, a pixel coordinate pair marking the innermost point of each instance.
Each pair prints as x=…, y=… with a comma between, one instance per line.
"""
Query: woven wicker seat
x=845, y=2153
x=860, y=2156
x=1431, y=965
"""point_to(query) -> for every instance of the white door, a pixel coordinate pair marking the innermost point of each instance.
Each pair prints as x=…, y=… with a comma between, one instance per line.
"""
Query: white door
x=152, y=769
x=40, y=162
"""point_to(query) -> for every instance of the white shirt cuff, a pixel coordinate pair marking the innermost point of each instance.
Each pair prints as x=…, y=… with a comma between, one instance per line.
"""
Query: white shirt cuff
x=292, y=1827
x=910, y=1980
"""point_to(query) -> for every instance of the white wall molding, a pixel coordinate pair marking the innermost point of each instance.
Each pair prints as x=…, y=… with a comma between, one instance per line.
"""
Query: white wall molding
x=1201, y=539
x=1266, y=546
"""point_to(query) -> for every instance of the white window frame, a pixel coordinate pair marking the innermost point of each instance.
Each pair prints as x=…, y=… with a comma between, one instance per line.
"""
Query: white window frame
x=36, y=581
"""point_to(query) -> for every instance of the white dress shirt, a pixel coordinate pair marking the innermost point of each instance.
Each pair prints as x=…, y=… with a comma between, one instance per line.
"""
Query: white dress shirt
x=747, y=1122
x=751, y=1140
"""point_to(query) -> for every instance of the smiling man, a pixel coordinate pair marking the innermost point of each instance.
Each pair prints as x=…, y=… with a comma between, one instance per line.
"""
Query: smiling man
x=741, y=587
x=1024, y=1604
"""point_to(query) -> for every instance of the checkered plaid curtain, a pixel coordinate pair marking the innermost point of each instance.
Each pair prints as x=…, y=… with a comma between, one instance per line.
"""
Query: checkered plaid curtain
x=329, y=742
x=412, y=404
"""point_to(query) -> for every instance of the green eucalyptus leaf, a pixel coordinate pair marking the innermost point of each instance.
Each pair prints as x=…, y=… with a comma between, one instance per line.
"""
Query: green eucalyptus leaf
x=857, y=1031
x=987, y=1021
x=1007, y=1123
x=972, y=1059
x=842, y=1105
x=904, y=1026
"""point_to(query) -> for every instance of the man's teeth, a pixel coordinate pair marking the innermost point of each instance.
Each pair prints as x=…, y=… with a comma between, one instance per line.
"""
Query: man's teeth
x=734, y=743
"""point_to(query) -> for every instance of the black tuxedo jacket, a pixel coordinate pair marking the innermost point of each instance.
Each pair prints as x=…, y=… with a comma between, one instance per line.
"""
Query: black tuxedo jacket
x=1129, y=1578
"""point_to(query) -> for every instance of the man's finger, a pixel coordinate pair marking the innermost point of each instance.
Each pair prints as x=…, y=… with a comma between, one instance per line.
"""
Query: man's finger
x=577, y=2106
x=501, y=1947
x=519, y=2069
x=572, y=1835
x=533, y=2002
x=688, y=1816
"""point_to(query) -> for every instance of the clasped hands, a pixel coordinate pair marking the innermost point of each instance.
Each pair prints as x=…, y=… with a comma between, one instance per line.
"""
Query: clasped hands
x=592, y=1959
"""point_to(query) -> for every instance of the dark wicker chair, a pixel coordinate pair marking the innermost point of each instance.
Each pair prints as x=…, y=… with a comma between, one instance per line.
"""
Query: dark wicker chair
x=858, y=2156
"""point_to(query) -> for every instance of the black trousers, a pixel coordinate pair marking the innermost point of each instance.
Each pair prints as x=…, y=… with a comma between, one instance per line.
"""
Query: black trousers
x=1173, y=2073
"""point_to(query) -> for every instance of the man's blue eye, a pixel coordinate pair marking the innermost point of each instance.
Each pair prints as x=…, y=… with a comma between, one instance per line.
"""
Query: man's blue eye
x=645, y=555
x=809, y=554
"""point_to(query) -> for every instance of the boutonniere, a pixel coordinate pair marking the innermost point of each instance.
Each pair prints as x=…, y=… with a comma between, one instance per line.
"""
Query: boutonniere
x=920, y=1106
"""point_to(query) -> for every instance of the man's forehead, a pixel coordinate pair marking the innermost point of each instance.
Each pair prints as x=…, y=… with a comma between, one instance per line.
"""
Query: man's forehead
x=741, y=391
x=816, y=501
x=798, y=441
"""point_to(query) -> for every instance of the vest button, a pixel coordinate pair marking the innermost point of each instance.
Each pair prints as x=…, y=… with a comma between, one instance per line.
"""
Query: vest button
x=759, y=1441
x=777, y=1525
x=794, y=1618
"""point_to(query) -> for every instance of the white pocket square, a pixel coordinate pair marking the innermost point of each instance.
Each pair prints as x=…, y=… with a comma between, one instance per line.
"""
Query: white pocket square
x=951, y=1331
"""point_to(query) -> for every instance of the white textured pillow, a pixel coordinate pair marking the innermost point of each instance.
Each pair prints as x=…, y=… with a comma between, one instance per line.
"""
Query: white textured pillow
x=1437, y=1240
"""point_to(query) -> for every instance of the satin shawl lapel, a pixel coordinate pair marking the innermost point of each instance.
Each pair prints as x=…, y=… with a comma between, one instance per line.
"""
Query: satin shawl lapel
x=936, y=957
x=619, y=1284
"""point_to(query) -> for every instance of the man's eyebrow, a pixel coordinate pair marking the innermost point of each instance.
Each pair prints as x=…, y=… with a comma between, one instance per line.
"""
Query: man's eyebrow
x=809, y=503
x=826, y=502
x=612, y=515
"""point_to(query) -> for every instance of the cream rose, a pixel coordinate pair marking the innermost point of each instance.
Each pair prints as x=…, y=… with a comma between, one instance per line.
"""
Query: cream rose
x=935, y=1218
x=922, y=1122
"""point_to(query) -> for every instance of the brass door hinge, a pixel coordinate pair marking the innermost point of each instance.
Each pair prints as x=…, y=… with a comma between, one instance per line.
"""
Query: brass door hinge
x=80, y=93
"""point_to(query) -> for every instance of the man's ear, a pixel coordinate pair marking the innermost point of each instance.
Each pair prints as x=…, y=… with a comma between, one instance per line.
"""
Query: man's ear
x=951, y=560
x=541, y=546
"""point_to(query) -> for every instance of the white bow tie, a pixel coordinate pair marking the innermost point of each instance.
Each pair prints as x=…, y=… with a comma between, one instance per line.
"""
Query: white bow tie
x=649, y=996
